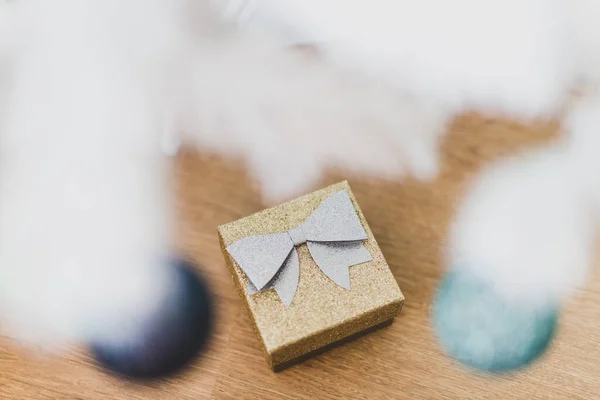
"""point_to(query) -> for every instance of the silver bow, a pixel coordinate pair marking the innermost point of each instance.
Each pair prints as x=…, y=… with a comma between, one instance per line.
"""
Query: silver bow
x=333, y=234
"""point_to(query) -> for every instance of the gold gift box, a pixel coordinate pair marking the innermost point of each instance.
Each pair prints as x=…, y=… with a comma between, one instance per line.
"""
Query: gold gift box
x=322, y=313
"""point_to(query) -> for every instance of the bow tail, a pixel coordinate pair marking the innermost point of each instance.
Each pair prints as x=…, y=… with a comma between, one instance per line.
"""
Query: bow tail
x=334, y=259
x=285, y=282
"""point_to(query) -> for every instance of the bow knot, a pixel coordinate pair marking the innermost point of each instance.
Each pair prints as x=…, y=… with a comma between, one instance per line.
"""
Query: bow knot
x=297, y=235
x=333, y=235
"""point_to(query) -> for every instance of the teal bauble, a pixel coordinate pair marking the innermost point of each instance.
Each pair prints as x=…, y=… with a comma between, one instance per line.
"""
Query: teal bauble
x=483, y=331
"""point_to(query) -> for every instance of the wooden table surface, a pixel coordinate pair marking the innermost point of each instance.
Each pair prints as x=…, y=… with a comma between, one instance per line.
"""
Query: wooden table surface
x=401, y=361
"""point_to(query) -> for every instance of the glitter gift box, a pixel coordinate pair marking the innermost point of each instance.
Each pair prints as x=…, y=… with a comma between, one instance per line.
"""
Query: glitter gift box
x=310, y=274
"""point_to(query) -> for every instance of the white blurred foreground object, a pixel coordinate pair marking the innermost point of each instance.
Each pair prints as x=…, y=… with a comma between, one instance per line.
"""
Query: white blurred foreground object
x=521, y=243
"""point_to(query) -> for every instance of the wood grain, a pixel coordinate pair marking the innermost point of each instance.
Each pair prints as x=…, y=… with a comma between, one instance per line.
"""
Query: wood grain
x=401, y=361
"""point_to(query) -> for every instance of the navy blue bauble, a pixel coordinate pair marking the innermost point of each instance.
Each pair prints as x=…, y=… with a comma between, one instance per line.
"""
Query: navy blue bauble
x=173, y=339
x=483, y=331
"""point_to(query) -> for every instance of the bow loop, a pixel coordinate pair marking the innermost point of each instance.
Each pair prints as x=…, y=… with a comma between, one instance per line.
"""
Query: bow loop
x=335, y=220
x=261, y=257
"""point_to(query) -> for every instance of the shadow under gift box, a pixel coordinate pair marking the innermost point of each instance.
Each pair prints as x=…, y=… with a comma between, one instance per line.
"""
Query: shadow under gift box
x=322, y=313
